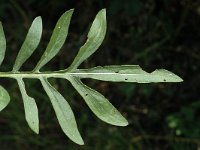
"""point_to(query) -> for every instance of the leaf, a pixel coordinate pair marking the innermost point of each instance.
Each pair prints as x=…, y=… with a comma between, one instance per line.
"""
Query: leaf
x=2, y=44
x=95, y=38
x=4, y=98
x=57, y=40
x=127, y=73
x=100, y=106
x=30, y=44
x=63, y=112
x=30, y=107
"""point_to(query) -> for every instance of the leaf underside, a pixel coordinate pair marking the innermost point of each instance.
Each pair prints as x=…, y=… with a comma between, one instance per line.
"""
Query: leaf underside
x=63, y=112
x=127, y=73
x=30, y=44
x=57, y=40
x=30, y=107
x=98, y=104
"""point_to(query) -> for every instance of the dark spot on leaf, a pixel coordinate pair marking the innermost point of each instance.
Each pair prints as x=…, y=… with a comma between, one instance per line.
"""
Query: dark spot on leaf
x=86, y=94
x=126, y=79
x=116, y=71
x=164, y=80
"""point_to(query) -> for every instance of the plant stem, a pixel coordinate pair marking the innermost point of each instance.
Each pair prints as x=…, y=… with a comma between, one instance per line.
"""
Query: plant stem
x=54, y=74
x=28, y=74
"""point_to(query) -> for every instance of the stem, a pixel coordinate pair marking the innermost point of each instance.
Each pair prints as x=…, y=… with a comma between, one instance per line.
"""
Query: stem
x=47, y=74
x=30, y=74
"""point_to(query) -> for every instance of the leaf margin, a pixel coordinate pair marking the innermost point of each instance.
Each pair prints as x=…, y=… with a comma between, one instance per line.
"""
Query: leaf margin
x=4, y=103
x=2, y=44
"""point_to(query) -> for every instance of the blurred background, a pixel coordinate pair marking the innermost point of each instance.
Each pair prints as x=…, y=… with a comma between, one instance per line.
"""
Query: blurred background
x=151, y=33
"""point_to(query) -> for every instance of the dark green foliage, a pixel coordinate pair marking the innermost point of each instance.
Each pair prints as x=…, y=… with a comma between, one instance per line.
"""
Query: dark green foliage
x=180, y=122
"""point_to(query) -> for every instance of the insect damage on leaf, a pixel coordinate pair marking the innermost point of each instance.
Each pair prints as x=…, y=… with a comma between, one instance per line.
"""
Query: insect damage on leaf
x=99, y=105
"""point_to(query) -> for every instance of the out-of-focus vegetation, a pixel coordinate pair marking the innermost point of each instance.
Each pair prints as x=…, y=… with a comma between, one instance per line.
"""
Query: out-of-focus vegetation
x=151, y=33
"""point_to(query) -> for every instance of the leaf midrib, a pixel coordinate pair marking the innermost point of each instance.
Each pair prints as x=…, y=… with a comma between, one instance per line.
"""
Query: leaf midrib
x=55, y=74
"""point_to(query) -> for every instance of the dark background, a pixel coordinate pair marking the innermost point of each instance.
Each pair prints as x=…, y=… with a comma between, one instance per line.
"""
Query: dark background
x=151, y=33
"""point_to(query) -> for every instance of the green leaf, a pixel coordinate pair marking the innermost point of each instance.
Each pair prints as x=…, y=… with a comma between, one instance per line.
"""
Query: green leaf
x=57, y=40
x=30, y=44
x=95, y=38
x=127, y=73
x=4, y=98
x=100, y=106
x=63, y=112
x=2, y=44
x=30, y=107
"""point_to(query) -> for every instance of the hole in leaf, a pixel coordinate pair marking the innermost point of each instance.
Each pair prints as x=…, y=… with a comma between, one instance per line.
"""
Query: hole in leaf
x=126, y=79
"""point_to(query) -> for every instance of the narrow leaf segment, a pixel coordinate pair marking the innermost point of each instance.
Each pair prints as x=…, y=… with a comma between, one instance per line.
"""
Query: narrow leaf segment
x=127, y=73
x=57, y=40
x=100, y=106
x=30, y=44
x=95, y=38
x=63, y=112
x=30, y=107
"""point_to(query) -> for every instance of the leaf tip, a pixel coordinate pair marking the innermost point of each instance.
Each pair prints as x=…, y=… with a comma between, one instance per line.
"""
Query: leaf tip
x=102, y=11
x=125, y=123
x=166, y=76
x=176, y=78
x=36, y=131
x=38, y=18
x=39, y=21
x=76, y=138
x=122, y=123
x=179, y=79
x=33, y=126
x=70, y=11
x=80, y=142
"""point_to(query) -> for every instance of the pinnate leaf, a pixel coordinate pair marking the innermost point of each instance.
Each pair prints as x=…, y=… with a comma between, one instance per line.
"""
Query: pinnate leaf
x=100, y=106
